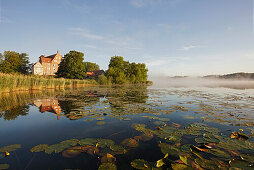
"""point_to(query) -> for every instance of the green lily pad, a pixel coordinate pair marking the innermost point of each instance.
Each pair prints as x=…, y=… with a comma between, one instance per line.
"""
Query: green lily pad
x=107, y=166
x=10, y=148
x=105, y=142
x=2, y=156
x=4, y=166
x=169, y=149
x=180, y=167
x=219, y=153
x=238, y=163
x=186, y=159
x=71, y=142
x=118, y=149
x=200, y=140
x=88, y=141
x=186, y=148
x=39, y=148
x=100, y=123
x=140, y=164
x=129, y=142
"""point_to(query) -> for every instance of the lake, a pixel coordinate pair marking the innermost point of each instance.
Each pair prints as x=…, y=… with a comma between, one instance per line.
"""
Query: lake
x=128, y=127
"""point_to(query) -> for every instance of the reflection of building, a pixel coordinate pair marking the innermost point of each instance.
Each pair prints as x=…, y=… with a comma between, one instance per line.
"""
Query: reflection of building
x=49, y=105
x=47, y=65
x=96, y=73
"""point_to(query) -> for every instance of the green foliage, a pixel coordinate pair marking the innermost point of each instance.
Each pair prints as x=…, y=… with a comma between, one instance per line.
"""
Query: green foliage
x=121, y=71
x=11, y=62
x=102, y=79
x=72, y=66
x=91, y=66
x=16, y=82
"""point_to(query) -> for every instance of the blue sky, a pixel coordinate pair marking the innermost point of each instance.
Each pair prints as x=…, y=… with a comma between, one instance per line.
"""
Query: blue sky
x=173, y=37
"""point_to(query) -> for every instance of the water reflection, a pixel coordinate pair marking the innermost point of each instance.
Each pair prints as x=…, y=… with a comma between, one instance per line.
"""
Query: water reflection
x=13, y=113
x=48, y=105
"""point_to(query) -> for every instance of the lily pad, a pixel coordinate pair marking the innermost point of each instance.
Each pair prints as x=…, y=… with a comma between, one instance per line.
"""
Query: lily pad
x=238, y=163
x=10, y=148
x=100, y=123
x=220, y=153
x=4, y=166
x=39, y=148
x=104, y=142
x=71, y=142
x=88, y=141
x=107, y=166
x=180, y=167
x=71, y=153
x=108, y=158
x=169, y=149
x=140, y=164
x=118, y=149
x=129, y=142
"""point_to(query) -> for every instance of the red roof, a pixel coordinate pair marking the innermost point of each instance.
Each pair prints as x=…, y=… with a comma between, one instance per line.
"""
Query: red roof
x=95, y=73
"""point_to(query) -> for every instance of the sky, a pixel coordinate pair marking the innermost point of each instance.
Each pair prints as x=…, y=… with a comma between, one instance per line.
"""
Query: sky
x=172, y=37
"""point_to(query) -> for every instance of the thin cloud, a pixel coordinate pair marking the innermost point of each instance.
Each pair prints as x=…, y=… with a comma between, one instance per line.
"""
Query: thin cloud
x=111, y=41
x=85, y=33
x=81, y=7
x=189, y=47
x=143, y=3
x=165, y=26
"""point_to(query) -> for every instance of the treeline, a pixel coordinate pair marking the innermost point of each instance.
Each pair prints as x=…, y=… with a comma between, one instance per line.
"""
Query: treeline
x=14, y=62
x=236, y=76
x=119, y=71
x=74, y=66
x=122, y=72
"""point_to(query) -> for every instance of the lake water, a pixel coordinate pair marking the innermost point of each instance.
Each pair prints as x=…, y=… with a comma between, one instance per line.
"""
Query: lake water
x=127, y=127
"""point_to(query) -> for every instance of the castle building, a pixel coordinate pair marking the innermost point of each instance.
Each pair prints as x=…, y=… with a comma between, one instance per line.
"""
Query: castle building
x=47, y=65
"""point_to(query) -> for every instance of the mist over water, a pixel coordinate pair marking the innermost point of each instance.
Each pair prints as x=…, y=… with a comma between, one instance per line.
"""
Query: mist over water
x=166, y=82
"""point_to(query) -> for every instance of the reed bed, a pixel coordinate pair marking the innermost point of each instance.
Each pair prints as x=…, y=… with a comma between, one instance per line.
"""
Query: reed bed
x=18, y=82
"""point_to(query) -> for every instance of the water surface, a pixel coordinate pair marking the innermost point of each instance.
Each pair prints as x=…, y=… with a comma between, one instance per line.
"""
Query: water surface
x=132, y=126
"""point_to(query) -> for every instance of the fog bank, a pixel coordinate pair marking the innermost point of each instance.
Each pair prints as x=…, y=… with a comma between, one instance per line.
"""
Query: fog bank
x=165, y=82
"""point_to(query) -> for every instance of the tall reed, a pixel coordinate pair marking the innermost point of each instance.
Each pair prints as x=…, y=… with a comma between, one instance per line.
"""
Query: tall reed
x=18, y=82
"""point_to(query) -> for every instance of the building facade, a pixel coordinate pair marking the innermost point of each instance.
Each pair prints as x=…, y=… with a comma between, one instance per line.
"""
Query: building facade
x=47, y=65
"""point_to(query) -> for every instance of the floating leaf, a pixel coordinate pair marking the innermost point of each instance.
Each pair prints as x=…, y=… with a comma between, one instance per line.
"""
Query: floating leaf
x=118, y=149
x=10, y=148
x=140, y=164
x=220, y=153
x=130, y=142
x=71, y=142
x=39, y=148
x=169, y=149
x=4, y=166
x=180, y=167
x=159, y=163
x=105, y=142
x=88, y=141
x=238, y=163
x=107, y=166
x=108, y=158
x=100, y=122
x=71, y=153
x=238, y=135
x=147, y=136
x=186, y=159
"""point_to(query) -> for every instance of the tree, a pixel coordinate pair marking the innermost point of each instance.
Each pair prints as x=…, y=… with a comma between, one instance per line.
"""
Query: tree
x=25, y=67
x=72, y=66
x=91, y=66
x=12, y=62
x=121, y=71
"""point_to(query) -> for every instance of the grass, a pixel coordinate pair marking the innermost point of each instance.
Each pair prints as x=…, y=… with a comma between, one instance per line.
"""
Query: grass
x=18, y=82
